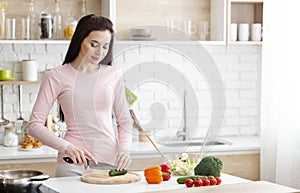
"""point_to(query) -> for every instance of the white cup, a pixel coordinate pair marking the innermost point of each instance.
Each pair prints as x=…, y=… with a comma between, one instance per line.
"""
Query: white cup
x=233, y=32
x=256, y=32
x=29, y=70
x=243, y=32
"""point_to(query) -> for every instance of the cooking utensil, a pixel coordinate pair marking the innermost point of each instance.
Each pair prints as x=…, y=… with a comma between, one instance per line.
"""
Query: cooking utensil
x=20, y=102
x=3, y=121
x=136, y=122
x=99, y=166
x=21, y=178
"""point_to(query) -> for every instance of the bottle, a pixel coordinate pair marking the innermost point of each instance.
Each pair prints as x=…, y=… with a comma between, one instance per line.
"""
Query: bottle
x=83, y=9
x=57, y=22
x=46, y=24
x=10, y=137
x=33, y=26
x=69, y=26
x=2, y=20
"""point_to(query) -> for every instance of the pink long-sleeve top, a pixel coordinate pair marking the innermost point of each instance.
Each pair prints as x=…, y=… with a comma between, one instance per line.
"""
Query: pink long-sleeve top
x=87, y=101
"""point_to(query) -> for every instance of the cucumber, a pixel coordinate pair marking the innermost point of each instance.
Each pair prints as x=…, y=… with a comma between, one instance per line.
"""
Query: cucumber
x=115, y=172
x=182, y=179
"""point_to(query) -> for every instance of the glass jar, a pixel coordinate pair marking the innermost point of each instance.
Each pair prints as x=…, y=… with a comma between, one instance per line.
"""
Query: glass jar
x=10, y=137
x=46, y=24
x=69, y=26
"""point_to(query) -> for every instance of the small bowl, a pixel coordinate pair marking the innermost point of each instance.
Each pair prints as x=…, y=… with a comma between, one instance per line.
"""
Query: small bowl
x=7, y=74
x=141, y=32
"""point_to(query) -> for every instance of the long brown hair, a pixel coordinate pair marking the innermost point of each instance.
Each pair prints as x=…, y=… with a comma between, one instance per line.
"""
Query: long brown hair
x=85, y=26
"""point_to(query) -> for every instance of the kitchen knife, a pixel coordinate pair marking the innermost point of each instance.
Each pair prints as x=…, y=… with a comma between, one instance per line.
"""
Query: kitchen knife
x=99, y=166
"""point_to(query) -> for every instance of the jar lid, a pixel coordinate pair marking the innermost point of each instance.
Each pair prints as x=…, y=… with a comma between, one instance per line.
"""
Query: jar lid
x=46, y=15
x=10, y=128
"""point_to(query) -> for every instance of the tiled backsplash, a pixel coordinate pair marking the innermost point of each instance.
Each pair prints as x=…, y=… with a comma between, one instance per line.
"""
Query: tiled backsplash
x=158, y=74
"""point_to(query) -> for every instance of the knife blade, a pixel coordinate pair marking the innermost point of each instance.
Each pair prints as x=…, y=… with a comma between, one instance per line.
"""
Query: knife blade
x=99, y=166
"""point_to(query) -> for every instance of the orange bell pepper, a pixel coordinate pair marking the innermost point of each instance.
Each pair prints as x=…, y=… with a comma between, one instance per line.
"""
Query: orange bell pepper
x=153, y=175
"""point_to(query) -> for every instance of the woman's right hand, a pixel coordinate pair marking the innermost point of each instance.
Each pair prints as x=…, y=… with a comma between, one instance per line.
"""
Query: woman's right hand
x=79, y=156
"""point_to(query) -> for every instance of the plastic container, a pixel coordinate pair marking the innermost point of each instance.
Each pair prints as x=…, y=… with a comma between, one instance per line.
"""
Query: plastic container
x=69, y=26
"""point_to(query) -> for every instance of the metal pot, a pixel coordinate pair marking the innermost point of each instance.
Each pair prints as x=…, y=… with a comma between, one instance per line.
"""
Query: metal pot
x=21, y=178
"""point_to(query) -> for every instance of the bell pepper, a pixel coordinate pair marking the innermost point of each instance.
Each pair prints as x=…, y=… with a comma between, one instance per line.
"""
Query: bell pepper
x=153, y=175
x=166, y=173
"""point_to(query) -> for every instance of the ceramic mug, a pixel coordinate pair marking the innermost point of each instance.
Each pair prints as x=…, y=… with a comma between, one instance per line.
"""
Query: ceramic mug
x=233, y=32
x=243, y=32
x=256, y=32
x=7, y=74
x=29, y=70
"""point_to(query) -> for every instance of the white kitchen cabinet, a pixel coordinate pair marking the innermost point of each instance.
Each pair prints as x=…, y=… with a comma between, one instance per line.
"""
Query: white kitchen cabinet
x=128, y=14
x=99, y=7
x=244, y=11
x=156, y=14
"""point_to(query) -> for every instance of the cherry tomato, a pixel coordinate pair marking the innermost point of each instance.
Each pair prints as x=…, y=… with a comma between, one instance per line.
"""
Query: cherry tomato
x=212, y=181
x=218, y=180
x=165, y=167
x=198, y=182
x=166, y=175
x=205, y=181
x=189, y=182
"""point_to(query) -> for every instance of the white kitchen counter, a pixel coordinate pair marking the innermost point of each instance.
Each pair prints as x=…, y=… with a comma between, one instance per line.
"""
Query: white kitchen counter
x=240, y=145
x=75, y=185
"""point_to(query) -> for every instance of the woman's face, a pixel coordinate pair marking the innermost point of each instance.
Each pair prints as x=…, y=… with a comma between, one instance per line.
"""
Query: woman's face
x=95, y=47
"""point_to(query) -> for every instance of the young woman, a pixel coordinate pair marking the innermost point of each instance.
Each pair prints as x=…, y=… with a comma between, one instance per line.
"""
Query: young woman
x=88, y=90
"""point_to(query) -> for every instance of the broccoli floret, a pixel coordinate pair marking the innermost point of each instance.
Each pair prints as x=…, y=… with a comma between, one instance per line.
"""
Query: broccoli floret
x=209, y=166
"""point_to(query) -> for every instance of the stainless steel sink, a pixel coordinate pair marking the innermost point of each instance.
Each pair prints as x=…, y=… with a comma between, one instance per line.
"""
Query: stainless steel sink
x=197, y=143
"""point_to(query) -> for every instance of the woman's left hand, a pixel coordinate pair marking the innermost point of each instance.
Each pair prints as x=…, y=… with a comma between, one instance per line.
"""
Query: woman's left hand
x=123, y=161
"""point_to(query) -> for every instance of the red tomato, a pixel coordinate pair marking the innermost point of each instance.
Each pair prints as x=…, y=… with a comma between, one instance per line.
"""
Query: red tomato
x=165, y=167
x=218, y=180
x=205, y=181
x=166, y=175
x=189, y=182
x=212, y=181
x=198, y=182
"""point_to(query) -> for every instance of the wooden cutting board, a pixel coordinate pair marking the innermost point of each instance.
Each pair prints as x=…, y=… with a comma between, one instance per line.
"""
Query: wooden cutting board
x=103, y=178
x=247, y=187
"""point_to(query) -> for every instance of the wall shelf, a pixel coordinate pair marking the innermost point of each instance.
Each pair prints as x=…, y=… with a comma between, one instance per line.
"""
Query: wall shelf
x=18, y=82
x=34, y=41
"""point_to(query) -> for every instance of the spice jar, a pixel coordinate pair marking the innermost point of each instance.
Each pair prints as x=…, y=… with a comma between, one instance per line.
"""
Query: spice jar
x=69, y=26
x=10, y=137
x=46, y=25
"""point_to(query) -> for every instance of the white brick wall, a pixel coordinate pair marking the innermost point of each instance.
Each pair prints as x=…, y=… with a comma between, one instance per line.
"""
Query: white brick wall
x=166, y=71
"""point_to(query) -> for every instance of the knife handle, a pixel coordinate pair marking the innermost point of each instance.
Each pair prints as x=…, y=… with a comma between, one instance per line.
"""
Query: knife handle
x=70, y=161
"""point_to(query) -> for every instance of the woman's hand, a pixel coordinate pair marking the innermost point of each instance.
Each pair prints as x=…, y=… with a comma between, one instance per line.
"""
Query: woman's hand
x=79, y=156
x=123, y=161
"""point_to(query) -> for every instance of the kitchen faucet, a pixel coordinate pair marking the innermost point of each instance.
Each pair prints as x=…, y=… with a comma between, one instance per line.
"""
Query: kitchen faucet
x=184, y=132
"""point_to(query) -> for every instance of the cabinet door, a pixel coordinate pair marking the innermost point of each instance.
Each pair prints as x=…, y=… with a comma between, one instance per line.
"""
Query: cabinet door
x=218, y=20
